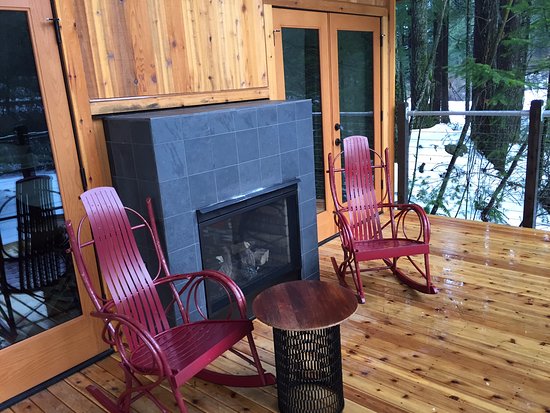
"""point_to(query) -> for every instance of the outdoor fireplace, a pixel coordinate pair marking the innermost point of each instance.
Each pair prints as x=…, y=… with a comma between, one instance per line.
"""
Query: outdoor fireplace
x=255, y=241
x=198, y=160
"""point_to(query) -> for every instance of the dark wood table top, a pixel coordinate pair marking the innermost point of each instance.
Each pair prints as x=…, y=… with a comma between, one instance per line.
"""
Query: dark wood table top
x=304, y=305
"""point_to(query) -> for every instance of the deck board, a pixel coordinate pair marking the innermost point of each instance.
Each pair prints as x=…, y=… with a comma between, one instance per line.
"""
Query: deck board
x=481, y=345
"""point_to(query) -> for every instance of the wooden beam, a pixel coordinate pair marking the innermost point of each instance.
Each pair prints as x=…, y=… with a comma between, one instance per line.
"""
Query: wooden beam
x=530, y=203
x=135, y=103
x=333, y=6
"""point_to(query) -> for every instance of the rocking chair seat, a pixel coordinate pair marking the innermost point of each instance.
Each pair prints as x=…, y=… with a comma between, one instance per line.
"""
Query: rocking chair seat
x=388, y=248
x=184, y=346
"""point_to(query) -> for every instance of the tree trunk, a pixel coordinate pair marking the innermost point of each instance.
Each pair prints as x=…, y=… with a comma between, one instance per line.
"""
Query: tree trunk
x=496, y=21
x=468, y=55
x=441, y=75
x=418, y=43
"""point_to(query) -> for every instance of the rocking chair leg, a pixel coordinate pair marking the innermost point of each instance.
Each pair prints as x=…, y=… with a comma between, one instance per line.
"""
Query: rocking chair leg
x=240, y=380
x=122, y=404
x=105, y=400
x=179, y=398
x=431, y=288
x=358, y=282
x=256, y=357
x=340, y=271
x=125, y=399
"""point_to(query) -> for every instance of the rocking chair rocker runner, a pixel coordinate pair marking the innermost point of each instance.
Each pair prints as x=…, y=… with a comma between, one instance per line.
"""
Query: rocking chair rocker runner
x=136, y=323
x=364, y=237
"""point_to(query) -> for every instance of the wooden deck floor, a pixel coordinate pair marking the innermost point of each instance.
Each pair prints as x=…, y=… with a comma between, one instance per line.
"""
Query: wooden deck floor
x=481, y=345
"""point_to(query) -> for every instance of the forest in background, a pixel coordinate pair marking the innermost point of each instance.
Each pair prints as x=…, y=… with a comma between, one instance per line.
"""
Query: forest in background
x=488, y=54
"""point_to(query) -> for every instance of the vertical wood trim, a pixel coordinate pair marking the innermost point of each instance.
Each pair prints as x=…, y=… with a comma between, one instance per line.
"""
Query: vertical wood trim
x=279, y=59
x=93, y=151
x=318, y=21
x=365, y=24
x=390, y=107
x=272, y=69
x=384, y=81
x=328, y=226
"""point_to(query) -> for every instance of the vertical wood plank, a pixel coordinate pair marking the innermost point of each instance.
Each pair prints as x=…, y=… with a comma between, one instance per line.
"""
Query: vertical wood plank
x=177, y=64
x=139, y=27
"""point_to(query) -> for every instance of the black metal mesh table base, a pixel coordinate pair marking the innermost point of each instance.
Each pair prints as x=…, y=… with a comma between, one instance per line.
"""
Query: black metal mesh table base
x=309, y=370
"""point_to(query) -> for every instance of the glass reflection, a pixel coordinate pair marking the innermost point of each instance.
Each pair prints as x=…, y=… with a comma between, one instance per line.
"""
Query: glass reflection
x=37, y=282
x=356, y=86
x=301, y=59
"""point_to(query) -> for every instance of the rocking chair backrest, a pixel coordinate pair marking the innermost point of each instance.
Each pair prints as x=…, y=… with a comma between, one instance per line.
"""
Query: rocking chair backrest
x=120, y=261
x=361, y=194
x=358, y=172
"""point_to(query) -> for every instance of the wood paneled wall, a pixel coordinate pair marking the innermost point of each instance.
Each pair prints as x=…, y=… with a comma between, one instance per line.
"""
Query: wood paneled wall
x=142, y=49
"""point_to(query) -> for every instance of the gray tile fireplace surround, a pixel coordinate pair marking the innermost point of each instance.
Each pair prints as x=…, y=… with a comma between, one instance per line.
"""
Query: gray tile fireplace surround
x=191, y=158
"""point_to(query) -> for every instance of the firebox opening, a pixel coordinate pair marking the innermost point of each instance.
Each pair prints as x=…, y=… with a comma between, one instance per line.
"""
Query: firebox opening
x=255, y=240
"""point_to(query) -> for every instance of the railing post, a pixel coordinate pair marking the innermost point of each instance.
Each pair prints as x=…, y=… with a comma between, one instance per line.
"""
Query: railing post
x=533, y=163
x=402, y=154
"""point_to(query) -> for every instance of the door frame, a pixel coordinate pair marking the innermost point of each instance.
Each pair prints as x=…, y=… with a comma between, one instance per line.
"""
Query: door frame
x=358, y=23
x=328, y=24
x=38, y=358
x=318, y=21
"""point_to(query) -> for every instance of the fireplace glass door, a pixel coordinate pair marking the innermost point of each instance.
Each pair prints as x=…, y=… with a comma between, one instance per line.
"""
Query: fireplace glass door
x=255, y=242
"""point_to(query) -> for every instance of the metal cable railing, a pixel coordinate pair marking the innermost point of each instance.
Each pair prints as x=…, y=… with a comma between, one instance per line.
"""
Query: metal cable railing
x=480, y=165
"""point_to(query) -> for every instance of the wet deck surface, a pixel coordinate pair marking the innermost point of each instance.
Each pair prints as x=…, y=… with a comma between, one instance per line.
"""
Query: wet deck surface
x=481, y=345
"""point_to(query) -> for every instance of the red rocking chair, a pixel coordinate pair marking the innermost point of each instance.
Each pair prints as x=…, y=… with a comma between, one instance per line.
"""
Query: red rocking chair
x=136, y=323
x=364, y=237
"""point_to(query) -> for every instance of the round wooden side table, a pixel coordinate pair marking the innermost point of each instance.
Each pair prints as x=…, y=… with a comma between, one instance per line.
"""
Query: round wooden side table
x=306, y=317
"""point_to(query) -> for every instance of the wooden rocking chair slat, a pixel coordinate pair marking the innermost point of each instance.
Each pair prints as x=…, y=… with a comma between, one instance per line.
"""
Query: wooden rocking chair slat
x=363, y=234
x=133, y=292
x=136, y=321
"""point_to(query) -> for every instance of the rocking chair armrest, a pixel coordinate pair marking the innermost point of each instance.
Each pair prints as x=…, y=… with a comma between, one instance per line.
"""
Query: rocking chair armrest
x=114, y=336
x=342, y=223
x=194, y=279
x=404, y=209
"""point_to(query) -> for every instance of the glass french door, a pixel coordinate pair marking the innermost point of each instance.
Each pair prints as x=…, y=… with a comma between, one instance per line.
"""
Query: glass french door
x=44, y=327
x=334, y=60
